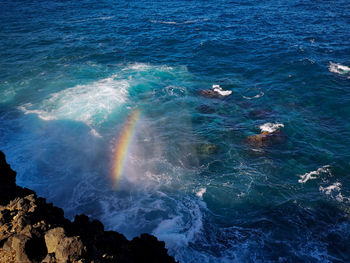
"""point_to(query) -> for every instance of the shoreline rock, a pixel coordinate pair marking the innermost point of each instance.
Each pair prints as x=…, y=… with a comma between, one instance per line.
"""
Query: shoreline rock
x=32, y=230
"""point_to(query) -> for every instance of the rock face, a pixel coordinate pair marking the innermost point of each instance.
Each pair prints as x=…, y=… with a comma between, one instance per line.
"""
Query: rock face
x=32, y=230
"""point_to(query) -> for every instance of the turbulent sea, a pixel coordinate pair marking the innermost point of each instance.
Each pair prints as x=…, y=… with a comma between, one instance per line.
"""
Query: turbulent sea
x=72, y=72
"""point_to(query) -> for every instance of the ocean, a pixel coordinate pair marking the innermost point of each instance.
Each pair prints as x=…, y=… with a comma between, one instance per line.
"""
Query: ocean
x=220, y=127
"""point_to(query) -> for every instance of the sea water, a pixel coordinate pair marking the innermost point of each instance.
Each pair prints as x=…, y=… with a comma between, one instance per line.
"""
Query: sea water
x=72, y=72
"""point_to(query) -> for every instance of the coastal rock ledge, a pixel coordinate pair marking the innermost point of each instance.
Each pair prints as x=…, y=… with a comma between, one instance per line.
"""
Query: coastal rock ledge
x=32, y=230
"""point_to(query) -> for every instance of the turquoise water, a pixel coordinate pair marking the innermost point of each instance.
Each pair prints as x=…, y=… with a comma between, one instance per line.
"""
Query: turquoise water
x=72, y=72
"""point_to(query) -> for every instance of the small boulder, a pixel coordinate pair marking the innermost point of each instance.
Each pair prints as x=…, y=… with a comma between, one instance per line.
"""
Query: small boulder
x=70, y=249
x=207, y=149
x=266, y=138
x=209, y=93
x=53, y=238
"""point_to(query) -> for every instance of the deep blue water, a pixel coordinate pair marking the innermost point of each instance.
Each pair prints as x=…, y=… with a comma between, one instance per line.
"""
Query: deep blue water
x=71, y=72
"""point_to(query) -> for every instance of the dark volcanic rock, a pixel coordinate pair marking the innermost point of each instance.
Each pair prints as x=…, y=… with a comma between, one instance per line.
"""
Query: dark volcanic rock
x=265, y=139
x=33, y=231
x=210, y=94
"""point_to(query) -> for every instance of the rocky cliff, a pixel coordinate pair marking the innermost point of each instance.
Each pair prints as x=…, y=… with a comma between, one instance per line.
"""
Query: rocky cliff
x=32, y=230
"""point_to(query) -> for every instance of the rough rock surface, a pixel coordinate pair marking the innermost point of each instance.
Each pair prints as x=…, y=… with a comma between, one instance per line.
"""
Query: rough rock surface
x=266, y=138
x=32, y=230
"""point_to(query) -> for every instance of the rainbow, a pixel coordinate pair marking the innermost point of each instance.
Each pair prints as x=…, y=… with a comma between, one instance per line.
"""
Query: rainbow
x=122, y=145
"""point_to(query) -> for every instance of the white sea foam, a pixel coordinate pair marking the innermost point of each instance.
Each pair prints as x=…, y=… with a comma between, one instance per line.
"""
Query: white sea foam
x=334, y=190
x=219, y=90
x=329, y=189
x=271, y=127
x=338, y=68
x=255, y=97
x=90, y=104
x=7, y=94
x=174, y=91
x=201, y=192
x=182, y=228
x=145, y=67
x=179, y=22
x=313, y=174
x=137, y=67
x=163, y=22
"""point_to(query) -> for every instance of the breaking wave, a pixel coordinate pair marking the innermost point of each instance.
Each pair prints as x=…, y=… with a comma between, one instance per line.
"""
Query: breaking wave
x=313, y=174
x=271, y=127
x=90, y=104
x=339, y=68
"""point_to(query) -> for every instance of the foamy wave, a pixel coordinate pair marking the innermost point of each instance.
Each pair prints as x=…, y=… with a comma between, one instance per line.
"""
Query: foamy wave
x=179, y=22
x=271, y=127
x=338, y=68
x=179, y=230
x=163, y=22
x=220, y=91
x=174, y=91
x=90, y=103
x=146, y=67
x=255, y=97
x=329, y=189
x=7, y=94
x=334, y=190
x=313, y=175
x=138, y=67
x=201, y=192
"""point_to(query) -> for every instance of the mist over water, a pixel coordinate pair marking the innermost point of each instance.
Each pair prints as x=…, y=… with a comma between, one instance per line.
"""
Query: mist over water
x=73, y=72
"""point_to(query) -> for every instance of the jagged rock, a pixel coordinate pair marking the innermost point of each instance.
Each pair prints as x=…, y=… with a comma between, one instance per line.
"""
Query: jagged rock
x=145, y=247
x=33, y=231
x=7, y=256
x=53, y=238
x=18, y=244
x=70, y=249
x=50, y=258
x=7, y=181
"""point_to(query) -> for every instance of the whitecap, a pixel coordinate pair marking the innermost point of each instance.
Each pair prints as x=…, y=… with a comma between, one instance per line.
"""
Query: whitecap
x=255, y=97
x=95, y=133
x=220, y=91
x=338, y=68
x=201, y=192
x=90, y=104
x=146, y=67
x=174, y=90
x=334, y=190
x=329, y=189
x=137, y=67
x=271, y=127
x=163, y=22
x=313, y=174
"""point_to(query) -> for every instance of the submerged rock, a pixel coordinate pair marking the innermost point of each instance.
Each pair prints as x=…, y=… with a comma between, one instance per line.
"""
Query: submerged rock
x=266, y=138
x=207, y=149
x=209, y=94
x=215, y=92
x=32, y=230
